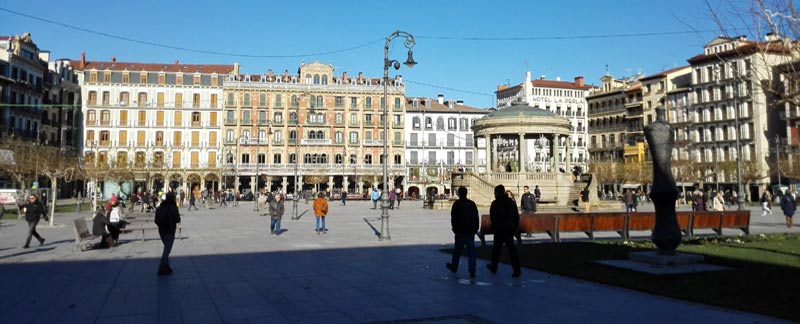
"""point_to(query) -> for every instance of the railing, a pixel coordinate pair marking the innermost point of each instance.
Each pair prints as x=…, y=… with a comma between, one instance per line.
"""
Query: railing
x=315, y=142
x=373, y=142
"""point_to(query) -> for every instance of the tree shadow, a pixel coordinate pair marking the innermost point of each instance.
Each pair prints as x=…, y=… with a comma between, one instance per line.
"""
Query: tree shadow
x=28, y=251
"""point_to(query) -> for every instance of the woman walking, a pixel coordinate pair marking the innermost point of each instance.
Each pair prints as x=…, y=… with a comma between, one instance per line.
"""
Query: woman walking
x=788, y=205
x=320, y=211
x=276, y=210
x=766, y=203
x=167, y=218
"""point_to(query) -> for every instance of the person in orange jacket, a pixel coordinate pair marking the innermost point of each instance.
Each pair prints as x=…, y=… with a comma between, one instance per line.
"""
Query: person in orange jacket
x=320, y=211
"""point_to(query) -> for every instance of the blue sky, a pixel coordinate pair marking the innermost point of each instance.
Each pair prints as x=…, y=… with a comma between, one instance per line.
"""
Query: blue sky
x=459, y=68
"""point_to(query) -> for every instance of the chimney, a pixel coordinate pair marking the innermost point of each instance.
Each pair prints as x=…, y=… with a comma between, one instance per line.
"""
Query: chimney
x=501, y=87
x=269, y=73
x=83, y=60
x=176, y=62
x=360, y=76
x=460, y=102
x=440, y=99
x=558, y=78
x=286, y=74
x=543, y=77
x=579, y=81
x=772, y=36
x=113, y=59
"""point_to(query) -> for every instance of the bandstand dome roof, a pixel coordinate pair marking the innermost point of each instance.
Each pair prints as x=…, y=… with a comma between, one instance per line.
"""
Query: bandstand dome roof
x=521, y=118
x=519, y=109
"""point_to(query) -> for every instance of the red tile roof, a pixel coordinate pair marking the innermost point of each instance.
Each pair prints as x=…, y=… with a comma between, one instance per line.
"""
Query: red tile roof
x=746, y=49
x=560, y=84
x=153, y=67
x=663, y=73
x=5, y=37
x=432, y=105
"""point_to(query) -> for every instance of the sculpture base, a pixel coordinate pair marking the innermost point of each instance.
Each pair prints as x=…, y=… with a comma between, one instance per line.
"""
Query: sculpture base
x=659, y=264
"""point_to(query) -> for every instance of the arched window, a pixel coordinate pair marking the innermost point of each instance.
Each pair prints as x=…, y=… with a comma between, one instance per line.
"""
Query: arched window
x=294, y=101
x=320, y=135
x=276, y=158
x=316, y=78
x=308, y=78
x=320, y=102
x=338, y=119
x=451, y=124
x=324, y=79
x=338, y=159
x=262, y=99
x=415, y=123
x=368, y=159
x=339, y=137
x=368, y=135
x=440, y=123
x=292, y=158
x=292, y=135
x=428, y=123
x=293, y=117
x=368, y=102
x=323, y=159
x=398, y=159
x=353, y=159
x=246, y=100
x=397, y=103
x=278, y=100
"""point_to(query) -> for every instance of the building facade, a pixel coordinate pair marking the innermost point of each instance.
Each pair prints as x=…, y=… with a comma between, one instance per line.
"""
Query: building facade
x=439, y=140
x=608, y=116
x=24, y=69
x=565, y=99
x=729, y=102
x=313, y=128
x=151, y=125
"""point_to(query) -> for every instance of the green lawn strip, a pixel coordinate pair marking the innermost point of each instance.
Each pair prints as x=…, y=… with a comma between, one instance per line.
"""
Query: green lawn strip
x=763, y=279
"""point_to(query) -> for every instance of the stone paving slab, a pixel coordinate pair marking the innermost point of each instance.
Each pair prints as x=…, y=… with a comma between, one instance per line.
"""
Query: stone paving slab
x=229, y=269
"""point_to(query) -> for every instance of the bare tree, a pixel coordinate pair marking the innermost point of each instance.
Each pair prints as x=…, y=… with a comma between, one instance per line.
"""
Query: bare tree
x=22, y=168
x=56, y=165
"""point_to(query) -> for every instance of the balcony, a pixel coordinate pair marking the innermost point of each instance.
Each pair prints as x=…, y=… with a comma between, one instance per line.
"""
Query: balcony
x=373, y=142
x=315, y=142
x=247, y=122
x=353, y=124
x=230, y=121
x=263, y=122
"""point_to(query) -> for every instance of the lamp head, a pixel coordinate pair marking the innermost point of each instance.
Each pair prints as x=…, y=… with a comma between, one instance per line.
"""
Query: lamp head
x=410, y=61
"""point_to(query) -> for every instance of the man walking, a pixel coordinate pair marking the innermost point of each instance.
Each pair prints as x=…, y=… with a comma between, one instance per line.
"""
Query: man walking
x=528, y=201
x=585, y=198
x=505, y=221
x=537, y=193
x=630, y=201
x=464, y=222
x=167, y=219
x=34, y=210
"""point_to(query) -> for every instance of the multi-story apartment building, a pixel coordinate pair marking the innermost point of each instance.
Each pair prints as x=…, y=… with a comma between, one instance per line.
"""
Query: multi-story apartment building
x=157, y=123
x=565, y=99
x=786, y=140
x=728, y=102
x=608, y=116
x=335, y=123
x=61, y=126
x=23, y=67
x=640, y=106
x=439, y=140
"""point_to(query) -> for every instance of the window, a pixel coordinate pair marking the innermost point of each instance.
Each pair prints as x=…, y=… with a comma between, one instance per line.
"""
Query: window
x=338, y=119
x=262, y=100
x=196, y=80
x=178, y=100
x=339, y=102
x=177, y=138
x=396, y=103
x=368, y=136
x=339, y=137
x=451, y=124
x=106, y=96
x=316, y=78
x=428, y=123
x=246, y=102
x=104, y=137
x=92, y=101
x=179, y=79
x=320, y=102
x=230, y=101
x=126, y=77
x=440, y=123
x=368, y=159
x=278, y=101
x=124, y=98
x=398, y=159
x=178, y=118
x=160, y=138
x=93, y=77
x=123, y=117
x=368, y=120
x=353, y=102
x=214, y=81
x=278, y=117
x=160, y=100
x=196, y=100
x=107, y=77
x=276, y=158
x=142, y=99
x=213, y=103
x=294, y=101
x=368, y=103
x=162, y=78
x=324, y=79
x=338, y=158
x=353, y=137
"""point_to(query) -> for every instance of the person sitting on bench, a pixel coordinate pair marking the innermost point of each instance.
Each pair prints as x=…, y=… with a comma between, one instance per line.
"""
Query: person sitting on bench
x=100, y=227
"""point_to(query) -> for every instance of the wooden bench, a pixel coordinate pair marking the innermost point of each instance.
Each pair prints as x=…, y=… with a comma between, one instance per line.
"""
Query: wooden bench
x=82, y=234
x=623, y=223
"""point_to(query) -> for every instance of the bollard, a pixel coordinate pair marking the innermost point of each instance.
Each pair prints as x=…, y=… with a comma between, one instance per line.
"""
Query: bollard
x=78, y=208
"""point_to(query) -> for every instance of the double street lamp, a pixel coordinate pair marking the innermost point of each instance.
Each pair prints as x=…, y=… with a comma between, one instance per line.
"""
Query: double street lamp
x=295, y=196
x=409, y=43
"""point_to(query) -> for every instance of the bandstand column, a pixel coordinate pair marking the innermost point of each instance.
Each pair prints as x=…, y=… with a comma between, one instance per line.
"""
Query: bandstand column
x=345, y=183
x=489, y=162
x=284, y=184
x=330, y=183
x=523, y=153
x=568, y=159
x=268, y=184
x=254, y=184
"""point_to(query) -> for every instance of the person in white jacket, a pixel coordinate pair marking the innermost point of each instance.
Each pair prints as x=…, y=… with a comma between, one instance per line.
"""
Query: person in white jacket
x=719, y=202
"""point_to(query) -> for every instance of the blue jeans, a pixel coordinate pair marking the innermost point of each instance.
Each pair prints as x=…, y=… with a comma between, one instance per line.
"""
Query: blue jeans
x=275, y=225
x=630, y=208
x=458, y=247
x=320, y=219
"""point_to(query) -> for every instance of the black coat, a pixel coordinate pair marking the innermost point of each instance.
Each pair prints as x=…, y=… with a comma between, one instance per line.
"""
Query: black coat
x=504, y=216
x=34, y=211
x=528, y=202
x=464, y=217
x=99, y=223
x=167, y=218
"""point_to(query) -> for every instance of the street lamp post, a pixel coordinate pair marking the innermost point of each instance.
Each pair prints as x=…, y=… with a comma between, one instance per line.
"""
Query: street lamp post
x=740, y=196
x=778, y=158
x=716, y=170
x=409, y=43
x=295, y=216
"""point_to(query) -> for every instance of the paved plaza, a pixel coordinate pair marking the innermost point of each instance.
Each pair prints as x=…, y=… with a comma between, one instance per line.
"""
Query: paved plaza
x=229, y=269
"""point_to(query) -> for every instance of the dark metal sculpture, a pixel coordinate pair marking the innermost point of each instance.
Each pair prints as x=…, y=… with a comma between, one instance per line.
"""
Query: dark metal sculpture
x=666, y=233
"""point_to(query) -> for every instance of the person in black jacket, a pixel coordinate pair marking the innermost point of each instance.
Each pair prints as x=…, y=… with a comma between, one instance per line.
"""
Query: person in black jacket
x=99, y=227
x=505, y=221
x=464, y=222
x=528, y=201
x=167, y=219
x=34, y=210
